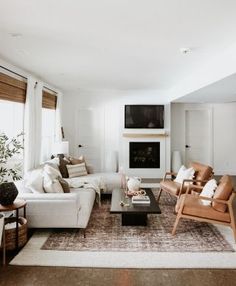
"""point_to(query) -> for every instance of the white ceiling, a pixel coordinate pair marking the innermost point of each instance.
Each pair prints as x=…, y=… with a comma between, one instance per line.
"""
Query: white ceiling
x=114, y=44
x=221, y=91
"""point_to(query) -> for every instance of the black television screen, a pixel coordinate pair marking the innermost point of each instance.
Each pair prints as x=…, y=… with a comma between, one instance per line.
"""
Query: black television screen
x=144, y=116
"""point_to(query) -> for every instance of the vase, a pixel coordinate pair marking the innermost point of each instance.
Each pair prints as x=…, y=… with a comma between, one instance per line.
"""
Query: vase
x=176, y=161
x=8, y=193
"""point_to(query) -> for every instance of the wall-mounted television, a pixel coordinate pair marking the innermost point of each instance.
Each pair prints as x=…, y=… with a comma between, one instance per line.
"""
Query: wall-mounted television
x=144, y=116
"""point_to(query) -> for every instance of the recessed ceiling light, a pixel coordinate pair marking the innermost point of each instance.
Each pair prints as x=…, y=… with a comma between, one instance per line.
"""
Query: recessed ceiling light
x=185, y=50
x=16, y=35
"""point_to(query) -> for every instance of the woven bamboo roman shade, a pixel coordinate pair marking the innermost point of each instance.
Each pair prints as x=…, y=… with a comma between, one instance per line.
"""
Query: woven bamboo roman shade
x=12, y=89
x=49, y=100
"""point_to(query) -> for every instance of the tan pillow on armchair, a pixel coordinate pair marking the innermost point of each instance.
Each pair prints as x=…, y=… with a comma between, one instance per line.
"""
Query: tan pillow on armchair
x=223, y=192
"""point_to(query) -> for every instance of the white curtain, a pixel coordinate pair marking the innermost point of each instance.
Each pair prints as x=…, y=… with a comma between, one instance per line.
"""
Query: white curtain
x=33, y=122
x=58, y=126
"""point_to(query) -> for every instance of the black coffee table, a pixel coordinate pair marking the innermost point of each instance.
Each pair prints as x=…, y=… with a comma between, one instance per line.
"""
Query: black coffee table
x=133, y=214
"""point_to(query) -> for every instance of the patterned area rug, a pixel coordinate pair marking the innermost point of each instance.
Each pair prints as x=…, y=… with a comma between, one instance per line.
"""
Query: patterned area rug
x=105, y=233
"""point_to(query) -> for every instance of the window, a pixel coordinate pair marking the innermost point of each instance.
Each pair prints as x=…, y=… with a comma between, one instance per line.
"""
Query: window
x=48, y=124
x=12, y=99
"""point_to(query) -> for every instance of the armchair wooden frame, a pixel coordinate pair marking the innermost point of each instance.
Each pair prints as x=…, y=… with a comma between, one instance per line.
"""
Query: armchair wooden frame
x=182, y=185
x=228, y=203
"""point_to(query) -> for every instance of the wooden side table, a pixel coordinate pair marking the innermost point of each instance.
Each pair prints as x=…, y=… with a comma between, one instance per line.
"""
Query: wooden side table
x=17, y=204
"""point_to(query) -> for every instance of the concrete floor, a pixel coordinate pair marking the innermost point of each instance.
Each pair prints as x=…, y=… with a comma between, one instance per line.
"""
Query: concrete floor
x=31, y=276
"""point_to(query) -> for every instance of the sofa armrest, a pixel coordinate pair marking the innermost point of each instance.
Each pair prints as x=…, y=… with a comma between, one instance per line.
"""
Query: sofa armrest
x=47, y=196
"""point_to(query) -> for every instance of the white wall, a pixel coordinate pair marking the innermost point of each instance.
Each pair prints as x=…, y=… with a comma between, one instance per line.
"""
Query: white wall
x=110, y=105
x=224, y=134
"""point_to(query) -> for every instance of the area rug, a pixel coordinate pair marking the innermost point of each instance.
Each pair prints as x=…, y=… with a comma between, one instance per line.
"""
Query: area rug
x=105, y=233
x=113, y=246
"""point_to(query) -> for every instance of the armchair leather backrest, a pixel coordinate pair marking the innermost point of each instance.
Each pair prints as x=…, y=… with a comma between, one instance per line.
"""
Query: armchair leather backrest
x=223, y=192
x=202, y=172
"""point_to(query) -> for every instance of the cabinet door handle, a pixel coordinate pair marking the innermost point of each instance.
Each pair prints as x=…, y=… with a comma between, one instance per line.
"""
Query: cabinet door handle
x=187, y=146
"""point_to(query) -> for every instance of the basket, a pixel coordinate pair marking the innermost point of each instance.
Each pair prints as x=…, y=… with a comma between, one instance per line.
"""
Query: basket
x=10, y=234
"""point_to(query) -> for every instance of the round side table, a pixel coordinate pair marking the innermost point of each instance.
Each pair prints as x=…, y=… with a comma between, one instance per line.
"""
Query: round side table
x=17, y=204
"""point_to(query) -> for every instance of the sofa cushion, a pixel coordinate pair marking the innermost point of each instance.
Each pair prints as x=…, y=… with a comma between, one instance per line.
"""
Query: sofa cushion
x=195, y=207
x=223, y=192
x=202, y=172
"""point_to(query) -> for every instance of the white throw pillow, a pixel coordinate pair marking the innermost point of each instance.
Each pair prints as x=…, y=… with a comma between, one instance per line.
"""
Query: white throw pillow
x=54, y=173
x=54, y=161
x=34, y=181
x=77, y=170
x=51, y=185
x=184, y=174
x=208, y=191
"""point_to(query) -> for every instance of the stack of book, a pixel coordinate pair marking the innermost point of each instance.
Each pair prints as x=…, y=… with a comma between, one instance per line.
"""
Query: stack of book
x=140, y=200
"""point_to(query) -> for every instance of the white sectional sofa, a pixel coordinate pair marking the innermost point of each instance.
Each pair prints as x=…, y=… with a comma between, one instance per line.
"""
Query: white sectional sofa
x=65, y=210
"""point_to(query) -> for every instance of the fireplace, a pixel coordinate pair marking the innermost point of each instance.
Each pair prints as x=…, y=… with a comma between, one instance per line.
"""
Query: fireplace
x=144, y=155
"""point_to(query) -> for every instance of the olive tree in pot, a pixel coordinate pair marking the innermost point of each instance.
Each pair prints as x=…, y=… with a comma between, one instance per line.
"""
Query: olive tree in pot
x=8, y=172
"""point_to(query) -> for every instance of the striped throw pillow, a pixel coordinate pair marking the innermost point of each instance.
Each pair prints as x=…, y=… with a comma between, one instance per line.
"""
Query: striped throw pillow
x=77, y=170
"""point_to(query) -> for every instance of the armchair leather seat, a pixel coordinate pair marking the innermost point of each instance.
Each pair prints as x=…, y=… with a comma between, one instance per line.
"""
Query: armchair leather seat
x=194, y=207
x=170, y=187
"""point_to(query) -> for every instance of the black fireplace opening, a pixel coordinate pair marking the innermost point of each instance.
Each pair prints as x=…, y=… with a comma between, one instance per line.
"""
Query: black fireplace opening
x=144, y=155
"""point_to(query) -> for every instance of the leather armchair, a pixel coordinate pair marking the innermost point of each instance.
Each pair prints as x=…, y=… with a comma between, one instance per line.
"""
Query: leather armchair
x=220, y=211
x=202, y=174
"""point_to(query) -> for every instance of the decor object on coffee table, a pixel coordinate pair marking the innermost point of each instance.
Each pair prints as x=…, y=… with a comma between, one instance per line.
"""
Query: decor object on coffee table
x=8, y=149
x=133, y=184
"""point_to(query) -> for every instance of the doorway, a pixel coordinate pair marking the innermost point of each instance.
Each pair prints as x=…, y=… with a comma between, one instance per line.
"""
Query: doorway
x=198, y=136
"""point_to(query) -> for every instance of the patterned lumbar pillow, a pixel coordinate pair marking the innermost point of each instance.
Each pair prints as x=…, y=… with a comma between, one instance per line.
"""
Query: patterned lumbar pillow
x=208, y=191
x=76, y=161
x=77, y=170
x=184, y=174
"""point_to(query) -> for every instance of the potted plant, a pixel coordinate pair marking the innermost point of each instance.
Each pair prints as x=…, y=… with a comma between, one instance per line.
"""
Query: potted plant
x=9, y=171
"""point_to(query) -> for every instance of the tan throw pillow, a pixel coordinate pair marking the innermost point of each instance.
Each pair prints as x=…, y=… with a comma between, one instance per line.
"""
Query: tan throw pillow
x=62, y=167
x=76, y=161
x=223, y=192
x=77, y=170
x=65, y=185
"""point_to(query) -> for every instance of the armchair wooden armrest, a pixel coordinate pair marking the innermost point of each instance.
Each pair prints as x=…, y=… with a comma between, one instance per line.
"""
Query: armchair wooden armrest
x=169, y=174
x=196, y=187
